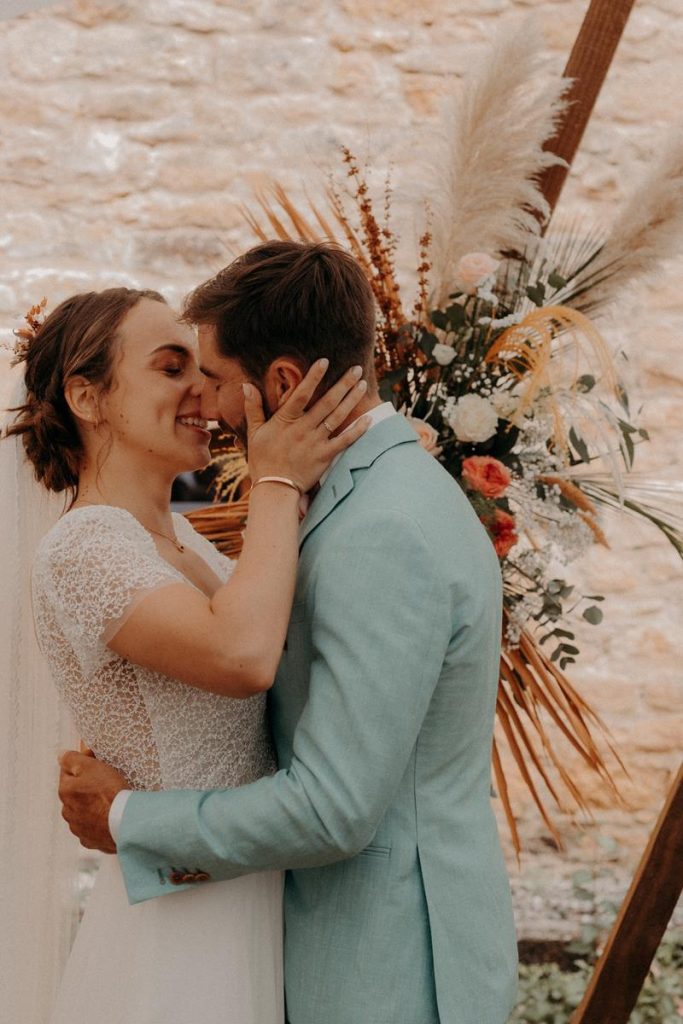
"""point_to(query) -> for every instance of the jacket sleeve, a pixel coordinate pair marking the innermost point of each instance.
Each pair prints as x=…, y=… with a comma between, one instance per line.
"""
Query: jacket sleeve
x=380, y=630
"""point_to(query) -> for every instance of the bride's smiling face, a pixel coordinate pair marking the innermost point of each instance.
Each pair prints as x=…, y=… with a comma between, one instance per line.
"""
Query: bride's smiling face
x=152, y=409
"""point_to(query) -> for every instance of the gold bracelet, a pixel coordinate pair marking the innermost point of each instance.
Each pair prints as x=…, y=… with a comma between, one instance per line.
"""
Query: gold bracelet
x=277, y=480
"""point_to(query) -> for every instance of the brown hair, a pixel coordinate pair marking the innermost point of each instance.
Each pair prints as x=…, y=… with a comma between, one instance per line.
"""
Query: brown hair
x=77, y=339
x=300, y=299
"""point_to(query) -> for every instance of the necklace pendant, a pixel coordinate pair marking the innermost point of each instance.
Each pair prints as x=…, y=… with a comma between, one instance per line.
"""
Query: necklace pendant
x=180, y=547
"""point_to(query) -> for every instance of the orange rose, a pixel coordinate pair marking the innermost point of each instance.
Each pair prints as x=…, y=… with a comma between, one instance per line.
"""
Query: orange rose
x=486, y=475
x=502, y=526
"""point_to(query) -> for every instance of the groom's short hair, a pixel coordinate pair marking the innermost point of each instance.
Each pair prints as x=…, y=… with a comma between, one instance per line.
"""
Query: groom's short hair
x=300, y=299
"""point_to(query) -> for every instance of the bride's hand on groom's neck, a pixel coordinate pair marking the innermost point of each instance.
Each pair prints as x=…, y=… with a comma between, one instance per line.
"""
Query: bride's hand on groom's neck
x=300, y=439
x=87, y=788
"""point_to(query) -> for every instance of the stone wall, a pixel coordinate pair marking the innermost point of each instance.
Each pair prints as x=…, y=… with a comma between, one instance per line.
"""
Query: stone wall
x=132, y=132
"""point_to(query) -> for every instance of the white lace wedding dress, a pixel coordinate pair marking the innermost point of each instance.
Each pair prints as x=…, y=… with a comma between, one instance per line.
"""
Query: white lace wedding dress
x=209, y=955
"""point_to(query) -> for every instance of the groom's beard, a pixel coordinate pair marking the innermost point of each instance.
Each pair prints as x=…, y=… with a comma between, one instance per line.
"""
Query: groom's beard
x=238, y=431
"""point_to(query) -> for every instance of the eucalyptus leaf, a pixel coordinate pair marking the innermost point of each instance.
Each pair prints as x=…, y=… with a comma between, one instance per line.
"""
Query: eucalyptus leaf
x=623, y=398
x=556, y=281
x=456, y=315
x=427, y=343
x=536, y=292
x=586, y=382
x=593, y=615
x=439, y=319
x=630, y=451
x=579, y=445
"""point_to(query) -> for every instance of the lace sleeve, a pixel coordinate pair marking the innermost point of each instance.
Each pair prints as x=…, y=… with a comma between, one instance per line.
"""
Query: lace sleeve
x=91, y=570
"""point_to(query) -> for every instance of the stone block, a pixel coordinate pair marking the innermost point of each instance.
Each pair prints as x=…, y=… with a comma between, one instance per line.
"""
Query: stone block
x=287, y=66
x=198, y=16
x=160, y=211
x=665, y=695
x=96, y=12
x=657, y=735
x=378, y=39
x=426, y=12
x=139, y=102
x=192, y=169
x=195, y=247
x=127, y=52
x=611, y=695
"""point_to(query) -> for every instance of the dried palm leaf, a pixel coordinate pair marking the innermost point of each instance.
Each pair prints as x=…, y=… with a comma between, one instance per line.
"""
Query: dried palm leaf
x=529, y=679
x=504, y=794
x=223, y=525
x=658, y=501
x=586, y=508
x=647, y=231
x=536, y=350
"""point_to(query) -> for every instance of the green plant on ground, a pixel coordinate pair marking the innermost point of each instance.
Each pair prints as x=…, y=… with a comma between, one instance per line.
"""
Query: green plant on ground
x=549, y=993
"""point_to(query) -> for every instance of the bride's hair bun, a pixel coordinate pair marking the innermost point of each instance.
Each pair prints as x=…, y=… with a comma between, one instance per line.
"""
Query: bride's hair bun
x=78, y=338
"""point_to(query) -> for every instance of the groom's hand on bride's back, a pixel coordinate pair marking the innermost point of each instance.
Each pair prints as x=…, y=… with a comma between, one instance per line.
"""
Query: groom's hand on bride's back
x=87, y=788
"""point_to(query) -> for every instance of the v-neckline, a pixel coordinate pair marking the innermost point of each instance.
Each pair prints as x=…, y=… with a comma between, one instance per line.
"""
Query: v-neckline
x=149, y=538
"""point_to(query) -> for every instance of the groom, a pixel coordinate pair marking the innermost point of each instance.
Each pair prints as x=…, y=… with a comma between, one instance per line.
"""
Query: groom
x=397, y=907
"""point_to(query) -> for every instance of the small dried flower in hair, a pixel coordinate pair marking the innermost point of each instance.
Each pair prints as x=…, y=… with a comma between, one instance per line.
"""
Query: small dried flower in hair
x=33, y=321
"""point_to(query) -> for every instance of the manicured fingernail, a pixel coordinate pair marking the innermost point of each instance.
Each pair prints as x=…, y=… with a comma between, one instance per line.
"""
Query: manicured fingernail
x=362, y=385
x=323, y=363
x=246, y=388
x=357, y=371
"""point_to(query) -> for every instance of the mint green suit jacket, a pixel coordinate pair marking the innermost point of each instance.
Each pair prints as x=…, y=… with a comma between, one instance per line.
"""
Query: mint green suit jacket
x=397, y=904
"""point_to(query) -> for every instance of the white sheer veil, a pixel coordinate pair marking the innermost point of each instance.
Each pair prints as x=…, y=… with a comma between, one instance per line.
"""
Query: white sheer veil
x=38, y=855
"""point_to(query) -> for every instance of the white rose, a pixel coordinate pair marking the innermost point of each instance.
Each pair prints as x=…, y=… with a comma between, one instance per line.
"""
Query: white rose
x=472, y=270
x=444, y=354
x=473, y=419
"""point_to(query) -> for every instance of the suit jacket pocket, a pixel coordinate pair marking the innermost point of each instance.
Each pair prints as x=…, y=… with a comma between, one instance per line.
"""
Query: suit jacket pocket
x=375, y=851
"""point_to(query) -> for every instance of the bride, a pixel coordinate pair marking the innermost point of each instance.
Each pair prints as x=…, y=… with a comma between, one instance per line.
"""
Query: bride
x=113, y=411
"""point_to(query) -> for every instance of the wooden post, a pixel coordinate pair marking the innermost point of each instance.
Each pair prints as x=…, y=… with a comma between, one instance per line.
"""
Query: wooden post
x=621, y=970
x=588, y=65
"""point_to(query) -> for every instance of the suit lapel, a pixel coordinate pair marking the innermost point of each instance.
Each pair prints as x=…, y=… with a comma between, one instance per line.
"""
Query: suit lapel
x=385, y=435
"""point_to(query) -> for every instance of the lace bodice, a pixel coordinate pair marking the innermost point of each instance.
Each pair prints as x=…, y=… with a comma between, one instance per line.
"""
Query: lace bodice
x=89, y=571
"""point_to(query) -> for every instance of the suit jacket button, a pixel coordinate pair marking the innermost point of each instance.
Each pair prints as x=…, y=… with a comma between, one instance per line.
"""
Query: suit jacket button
x=176, y=878
x=202, y=876
x=190, y=877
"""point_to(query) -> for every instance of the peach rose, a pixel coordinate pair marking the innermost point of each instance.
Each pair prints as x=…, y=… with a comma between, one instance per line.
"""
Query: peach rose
x=486, y=475
x=502, y=527
x=472, y=270
x=427, y=434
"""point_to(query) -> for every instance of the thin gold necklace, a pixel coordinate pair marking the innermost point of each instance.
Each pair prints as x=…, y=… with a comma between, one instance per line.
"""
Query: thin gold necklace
x=173, y=540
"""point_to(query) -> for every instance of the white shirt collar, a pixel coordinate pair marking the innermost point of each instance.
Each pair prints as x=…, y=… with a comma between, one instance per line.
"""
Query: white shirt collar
x=376, y=415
